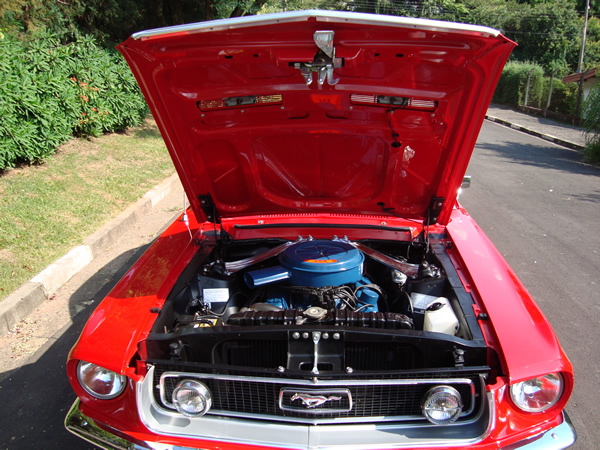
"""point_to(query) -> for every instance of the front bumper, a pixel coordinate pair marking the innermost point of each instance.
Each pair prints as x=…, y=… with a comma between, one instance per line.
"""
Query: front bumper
x=556, y=438
x=86, y=428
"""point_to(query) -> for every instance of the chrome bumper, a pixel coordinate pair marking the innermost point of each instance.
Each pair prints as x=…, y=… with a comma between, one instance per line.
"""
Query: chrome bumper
x=85, y=428
x=559, y=437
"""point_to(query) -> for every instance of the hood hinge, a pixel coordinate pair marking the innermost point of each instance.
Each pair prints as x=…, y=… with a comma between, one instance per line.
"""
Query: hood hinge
x=208, y=207
x=434, y=210
x=324, y=61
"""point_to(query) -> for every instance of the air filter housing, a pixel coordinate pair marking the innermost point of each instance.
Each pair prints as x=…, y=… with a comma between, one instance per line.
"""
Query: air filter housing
x=316, y=263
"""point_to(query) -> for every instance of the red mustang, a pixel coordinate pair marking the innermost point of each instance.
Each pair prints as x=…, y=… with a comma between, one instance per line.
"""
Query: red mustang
x=324, y=289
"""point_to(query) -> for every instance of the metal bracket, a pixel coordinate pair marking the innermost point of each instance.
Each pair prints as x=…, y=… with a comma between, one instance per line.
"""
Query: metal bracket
x=316, y=337
x=434, y=210
x=208, y=206
x=324, y=62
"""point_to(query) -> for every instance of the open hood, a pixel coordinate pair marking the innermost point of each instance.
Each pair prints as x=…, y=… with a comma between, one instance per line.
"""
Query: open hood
x=319, y=111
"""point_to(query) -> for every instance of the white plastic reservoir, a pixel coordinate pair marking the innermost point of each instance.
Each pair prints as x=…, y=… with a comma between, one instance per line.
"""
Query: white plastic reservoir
x=440, y=317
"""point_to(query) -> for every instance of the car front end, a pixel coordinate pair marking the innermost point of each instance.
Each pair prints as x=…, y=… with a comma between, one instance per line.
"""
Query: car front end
x=324, y=289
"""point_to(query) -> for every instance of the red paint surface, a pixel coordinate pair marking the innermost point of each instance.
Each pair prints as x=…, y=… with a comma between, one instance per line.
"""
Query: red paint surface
x=317, y=151
x=125, y=316
x=525, y=338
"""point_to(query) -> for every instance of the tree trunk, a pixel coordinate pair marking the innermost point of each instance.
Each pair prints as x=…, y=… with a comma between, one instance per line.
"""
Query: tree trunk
x=160, y=15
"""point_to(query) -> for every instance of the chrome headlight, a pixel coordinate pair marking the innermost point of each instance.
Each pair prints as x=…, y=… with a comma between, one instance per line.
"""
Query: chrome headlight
x=100, y=382
x=442, y=405
x=192, y=398
x=537, y=394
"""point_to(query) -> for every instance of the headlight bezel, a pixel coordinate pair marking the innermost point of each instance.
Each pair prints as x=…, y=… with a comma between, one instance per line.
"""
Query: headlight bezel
x=555, y=383
x=200, y=390
x=444, y=393
x=89, y=373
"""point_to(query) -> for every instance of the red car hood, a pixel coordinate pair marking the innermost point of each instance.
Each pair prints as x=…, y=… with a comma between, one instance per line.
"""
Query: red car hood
x=319, y=111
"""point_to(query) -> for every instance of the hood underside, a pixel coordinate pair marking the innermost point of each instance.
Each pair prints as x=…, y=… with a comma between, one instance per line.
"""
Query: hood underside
x=319, y=111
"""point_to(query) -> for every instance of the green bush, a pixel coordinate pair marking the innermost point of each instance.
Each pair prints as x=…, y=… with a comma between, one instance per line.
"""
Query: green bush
x=564, y=96
x=591, y=152
x=591, y=114
x=512, y=86
x=52, y=91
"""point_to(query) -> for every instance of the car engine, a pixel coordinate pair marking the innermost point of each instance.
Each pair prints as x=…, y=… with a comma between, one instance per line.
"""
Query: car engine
x=338, y=282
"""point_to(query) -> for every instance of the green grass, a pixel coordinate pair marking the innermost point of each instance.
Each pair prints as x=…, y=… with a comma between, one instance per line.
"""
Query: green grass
x=47, y=209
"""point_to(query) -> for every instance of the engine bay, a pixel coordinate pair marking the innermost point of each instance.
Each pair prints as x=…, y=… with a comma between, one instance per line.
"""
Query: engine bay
x=391, y=285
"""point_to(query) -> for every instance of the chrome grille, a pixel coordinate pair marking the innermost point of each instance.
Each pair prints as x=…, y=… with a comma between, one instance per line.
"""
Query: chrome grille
x=371, y=399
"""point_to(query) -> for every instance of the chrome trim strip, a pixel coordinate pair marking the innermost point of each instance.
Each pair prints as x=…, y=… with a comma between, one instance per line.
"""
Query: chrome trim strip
x=315, y=420
x=321, y=16
x=85, y=428
x=312, y=384
x=354, y=382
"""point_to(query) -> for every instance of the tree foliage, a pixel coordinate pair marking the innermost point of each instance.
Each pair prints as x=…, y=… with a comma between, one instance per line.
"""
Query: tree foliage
x=548, y=31
x=112, y=21
x=518, y=81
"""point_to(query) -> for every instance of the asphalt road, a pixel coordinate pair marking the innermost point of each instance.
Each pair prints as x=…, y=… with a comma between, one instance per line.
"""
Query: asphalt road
x=533, y=199
x=541, y=208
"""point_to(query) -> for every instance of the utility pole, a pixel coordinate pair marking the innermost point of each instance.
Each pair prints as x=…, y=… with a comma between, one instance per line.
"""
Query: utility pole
x=582, y=51
x=580, y=65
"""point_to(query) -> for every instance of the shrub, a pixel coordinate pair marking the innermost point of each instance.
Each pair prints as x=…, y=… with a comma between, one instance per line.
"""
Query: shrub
x=591, y=112
x=564, y=96
x=36, y=101
x=591, y=152
x=512, y=86
x=51, y=91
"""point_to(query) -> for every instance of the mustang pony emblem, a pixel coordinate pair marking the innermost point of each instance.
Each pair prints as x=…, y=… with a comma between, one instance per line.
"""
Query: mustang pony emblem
x=312, y=401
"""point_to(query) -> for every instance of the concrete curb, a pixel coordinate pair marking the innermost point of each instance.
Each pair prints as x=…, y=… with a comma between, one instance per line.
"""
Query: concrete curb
x=18, y=305
x=546, y=137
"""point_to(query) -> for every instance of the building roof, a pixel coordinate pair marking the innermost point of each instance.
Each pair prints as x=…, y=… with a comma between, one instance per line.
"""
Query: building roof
x=576, y=77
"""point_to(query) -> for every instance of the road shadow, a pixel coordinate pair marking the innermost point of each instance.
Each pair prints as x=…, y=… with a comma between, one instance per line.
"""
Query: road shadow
x=36, y=397
x=543, y=155
x=592, y=197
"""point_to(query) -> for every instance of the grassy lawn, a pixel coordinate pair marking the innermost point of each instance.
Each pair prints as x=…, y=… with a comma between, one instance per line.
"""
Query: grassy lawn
x=47, y=209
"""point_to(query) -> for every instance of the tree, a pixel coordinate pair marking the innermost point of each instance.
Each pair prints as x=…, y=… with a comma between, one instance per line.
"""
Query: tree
x=548, y=32
x=112, y=21
x=592, y=44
